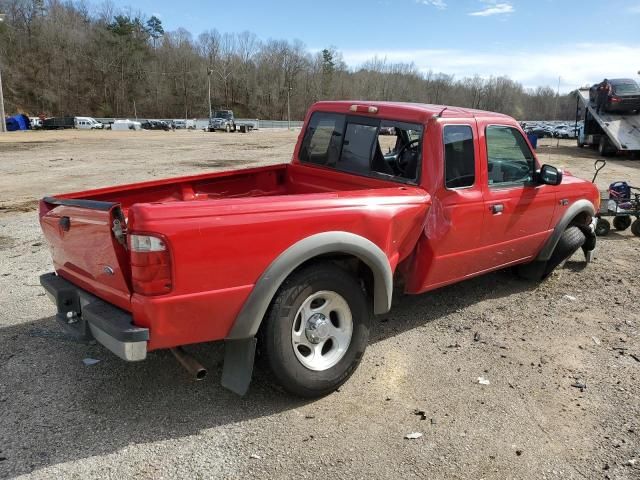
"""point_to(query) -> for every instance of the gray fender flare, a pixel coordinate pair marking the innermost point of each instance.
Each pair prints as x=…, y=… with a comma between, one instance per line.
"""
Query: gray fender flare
x=581, y=206
x=250, y=317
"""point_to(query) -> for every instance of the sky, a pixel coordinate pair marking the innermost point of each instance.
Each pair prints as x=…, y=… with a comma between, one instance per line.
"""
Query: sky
x=538, y=43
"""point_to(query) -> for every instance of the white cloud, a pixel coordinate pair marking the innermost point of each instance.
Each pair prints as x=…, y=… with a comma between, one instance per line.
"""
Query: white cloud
x=494, y=8
x=587, y=63
x=439, y=4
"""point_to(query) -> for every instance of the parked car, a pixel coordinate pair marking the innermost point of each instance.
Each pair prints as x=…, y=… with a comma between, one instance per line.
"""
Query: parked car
x=539, y=132
x=155, y=125
x=87, y=123
x=297, y=257
x=58, y=123
x=222, y=120
x=564, y=131
x=624, y=96
x=126, y=125
x=181, y=123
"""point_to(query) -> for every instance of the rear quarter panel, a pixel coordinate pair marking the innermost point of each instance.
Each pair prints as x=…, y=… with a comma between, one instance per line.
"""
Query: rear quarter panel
x=220, y=248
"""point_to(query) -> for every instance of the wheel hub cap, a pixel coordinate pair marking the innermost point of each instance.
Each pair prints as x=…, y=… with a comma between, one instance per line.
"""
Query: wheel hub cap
x=321, y=330
x=317, y=328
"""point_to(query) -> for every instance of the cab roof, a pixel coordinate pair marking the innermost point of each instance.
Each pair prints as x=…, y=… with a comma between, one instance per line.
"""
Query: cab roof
x=420, y=112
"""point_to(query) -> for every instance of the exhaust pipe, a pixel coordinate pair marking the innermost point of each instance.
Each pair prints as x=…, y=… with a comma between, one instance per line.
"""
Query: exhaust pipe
x=193, y=366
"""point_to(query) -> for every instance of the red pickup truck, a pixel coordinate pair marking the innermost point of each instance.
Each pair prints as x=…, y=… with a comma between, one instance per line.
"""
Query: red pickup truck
x=294, y=259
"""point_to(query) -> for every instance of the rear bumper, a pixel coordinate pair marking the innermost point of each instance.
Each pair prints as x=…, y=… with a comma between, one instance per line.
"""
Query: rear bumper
x=87, y=317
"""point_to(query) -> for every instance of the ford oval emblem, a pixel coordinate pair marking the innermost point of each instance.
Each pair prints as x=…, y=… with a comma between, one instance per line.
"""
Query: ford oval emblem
x=108, y=270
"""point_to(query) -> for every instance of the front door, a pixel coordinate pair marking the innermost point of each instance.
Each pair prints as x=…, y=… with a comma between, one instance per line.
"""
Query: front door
x=517, y=210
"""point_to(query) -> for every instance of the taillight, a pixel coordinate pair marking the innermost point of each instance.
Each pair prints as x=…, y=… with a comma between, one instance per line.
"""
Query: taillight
x=615, y=99
x=150, y=264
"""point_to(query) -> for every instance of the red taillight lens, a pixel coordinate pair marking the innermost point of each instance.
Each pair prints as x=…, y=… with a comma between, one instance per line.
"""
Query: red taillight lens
x=150, y=264
x=615, y=99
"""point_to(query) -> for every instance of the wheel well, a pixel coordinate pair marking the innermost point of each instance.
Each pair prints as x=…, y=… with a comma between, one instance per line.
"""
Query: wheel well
x=580, y=220
x=348, y=262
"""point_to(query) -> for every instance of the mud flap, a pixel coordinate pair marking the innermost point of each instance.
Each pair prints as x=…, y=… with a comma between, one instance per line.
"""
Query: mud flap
x=238, y=364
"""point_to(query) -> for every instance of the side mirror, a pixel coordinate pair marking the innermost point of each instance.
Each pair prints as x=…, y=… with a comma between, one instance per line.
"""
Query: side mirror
x=549, y=175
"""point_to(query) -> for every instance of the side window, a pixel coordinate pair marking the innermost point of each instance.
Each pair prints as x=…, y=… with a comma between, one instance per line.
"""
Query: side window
x=323, y=139
x=509, y=160
x=459, y=157
x=357, y=148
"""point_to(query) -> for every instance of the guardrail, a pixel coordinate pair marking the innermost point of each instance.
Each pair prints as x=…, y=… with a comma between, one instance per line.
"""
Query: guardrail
x=202, y=123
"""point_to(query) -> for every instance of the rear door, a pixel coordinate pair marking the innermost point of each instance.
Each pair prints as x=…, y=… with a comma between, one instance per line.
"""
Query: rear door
x=85, y=249
x=517, y=211
x=452, y=237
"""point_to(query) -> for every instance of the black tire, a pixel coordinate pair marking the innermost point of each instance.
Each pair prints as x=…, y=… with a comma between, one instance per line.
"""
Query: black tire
x=602, y=227
x=604, y=147
x=570, y=241
x=621, y=222
x=275, y=336
x=227, y=128
x=635, y=227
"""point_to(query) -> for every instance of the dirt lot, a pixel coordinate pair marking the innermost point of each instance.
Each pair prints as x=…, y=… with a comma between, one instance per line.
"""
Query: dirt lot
x=535, y=343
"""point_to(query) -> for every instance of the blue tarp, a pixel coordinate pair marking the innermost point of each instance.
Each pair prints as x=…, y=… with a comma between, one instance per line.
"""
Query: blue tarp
x=18, y=122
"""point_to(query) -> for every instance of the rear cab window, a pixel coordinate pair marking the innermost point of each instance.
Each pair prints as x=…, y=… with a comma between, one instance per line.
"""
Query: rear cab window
x=459, y=156
x=372, y=147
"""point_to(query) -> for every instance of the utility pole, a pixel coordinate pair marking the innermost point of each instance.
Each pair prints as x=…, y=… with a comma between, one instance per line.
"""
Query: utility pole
x=3, y=124
x=289, y=107
x=209, y=72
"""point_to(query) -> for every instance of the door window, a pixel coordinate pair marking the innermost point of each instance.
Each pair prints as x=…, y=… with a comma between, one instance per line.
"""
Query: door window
x=509, y=159
x=459, y=157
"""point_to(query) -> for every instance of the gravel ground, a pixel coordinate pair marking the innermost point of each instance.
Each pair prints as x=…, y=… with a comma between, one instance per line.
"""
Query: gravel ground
x=562, y=357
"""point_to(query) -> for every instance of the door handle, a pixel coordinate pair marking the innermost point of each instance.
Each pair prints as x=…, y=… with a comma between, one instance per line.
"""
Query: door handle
x=497, y=209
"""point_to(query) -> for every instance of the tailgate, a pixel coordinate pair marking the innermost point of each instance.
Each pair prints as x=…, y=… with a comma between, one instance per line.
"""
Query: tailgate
x=85, y=249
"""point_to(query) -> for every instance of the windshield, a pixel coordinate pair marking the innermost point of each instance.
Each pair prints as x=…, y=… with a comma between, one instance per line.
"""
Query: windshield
x=626, y=88
x=223, y=114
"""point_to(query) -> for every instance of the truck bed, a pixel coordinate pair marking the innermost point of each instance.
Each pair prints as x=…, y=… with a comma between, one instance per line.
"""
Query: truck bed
x=223, y=230
x=275, y=180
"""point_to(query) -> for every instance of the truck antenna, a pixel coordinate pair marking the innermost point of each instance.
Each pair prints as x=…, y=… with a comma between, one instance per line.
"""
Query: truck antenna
x=441, y=112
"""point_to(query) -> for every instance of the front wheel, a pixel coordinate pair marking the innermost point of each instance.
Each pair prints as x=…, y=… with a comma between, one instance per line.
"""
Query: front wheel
x=635, y=227
x=570, y=241
x=316, y=330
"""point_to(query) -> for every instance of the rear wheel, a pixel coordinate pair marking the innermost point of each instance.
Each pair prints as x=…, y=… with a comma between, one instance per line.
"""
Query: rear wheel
x=635, y=227
x=604, y=147
x=621, y=222
x=602, y=227
x=316, y=330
